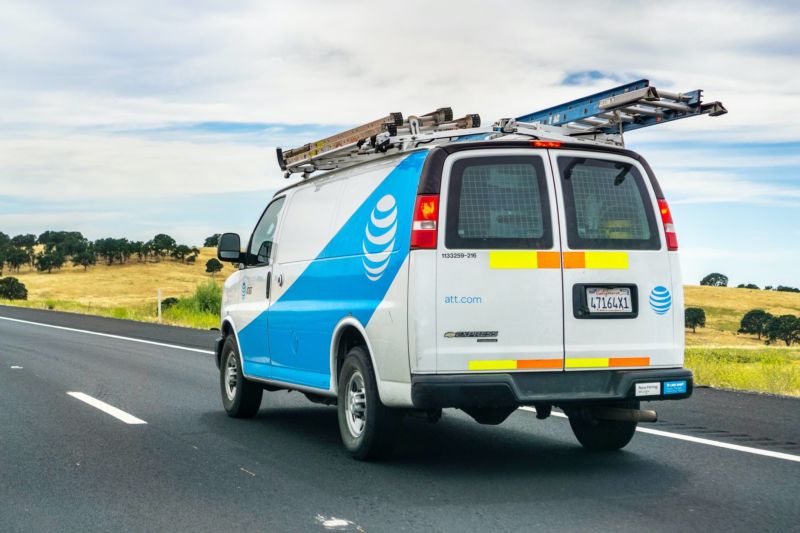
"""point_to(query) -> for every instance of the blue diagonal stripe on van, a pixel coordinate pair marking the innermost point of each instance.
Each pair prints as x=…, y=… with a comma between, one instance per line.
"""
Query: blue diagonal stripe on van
x=337, y=283
x=660, y=300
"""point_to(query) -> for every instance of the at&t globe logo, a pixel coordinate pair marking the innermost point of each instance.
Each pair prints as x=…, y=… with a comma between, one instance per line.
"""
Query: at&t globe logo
x=660, y=300
x=379, y=237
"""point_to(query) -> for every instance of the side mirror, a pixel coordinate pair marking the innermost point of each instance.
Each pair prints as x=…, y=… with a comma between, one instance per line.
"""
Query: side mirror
x=230, y=248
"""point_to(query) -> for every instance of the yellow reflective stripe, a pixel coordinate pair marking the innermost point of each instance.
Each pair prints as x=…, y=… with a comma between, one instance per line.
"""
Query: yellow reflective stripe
x=589, y=362
x=524, y=259
x=530, y=260
x=504, y=364
x=608, y=260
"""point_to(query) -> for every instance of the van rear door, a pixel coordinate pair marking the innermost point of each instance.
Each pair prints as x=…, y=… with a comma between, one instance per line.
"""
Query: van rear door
x=498, y=275
x=619, y=296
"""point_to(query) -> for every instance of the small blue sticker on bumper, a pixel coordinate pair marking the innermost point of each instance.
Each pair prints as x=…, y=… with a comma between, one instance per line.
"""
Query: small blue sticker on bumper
x=675, y=387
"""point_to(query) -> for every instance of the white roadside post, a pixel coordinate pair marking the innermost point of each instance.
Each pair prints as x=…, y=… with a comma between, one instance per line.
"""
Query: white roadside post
x=159, y=306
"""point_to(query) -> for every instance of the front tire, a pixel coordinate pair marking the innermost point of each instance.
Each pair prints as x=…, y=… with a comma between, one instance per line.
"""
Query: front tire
x=602, y=435
x=368, y=428
x=241, y=398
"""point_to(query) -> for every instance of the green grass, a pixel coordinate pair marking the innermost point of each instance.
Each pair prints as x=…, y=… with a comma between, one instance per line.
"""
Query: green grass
x=770, y=370
x=198, y=310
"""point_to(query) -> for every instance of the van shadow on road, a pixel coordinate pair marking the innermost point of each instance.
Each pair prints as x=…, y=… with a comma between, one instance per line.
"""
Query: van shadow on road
x=456, y=456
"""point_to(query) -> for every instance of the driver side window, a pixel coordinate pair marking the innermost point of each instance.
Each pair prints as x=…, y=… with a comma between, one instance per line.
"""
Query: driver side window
x=261, y=245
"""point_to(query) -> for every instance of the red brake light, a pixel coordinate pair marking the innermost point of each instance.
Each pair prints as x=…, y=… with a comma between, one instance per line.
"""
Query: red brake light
x=426, y=217
x=546, y=144
x=669, y=226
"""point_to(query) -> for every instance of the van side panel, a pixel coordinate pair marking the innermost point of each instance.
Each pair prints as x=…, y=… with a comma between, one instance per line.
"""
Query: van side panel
x=387, y=333
x=351, y=276
x=308, y=223
x=306, y=230
x=678, y=308
x=421, y=300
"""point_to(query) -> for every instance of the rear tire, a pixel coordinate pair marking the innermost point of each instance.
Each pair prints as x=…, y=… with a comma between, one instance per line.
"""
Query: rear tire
x=368, y=428
x=602, y=435
x=241, y=398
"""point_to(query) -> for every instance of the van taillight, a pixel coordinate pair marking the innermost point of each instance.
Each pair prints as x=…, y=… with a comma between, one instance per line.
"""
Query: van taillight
x=669, y=226
x=426, y=217
x=538, y=143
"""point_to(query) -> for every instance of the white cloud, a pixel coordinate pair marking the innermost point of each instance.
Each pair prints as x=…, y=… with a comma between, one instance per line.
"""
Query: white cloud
x=343, y=62
x=92, y=166
x=689, y=186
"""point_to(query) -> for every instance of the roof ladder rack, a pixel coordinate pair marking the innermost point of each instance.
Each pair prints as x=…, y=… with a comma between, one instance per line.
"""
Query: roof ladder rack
x=624, y=108
x=372, y=139
x=600, y=118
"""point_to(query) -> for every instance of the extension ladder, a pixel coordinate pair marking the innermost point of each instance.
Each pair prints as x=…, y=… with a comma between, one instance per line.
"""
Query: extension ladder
x=599, y=118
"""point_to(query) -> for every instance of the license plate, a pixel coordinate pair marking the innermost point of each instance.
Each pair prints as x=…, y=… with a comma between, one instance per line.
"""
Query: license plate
x=609, y=300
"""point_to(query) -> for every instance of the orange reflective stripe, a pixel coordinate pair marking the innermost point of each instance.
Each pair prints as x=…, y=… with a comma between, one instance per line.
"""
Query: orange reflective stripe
x=514, y=364
x=574, y=260
x=549, y=259
x=629, y=361
x=540, y=363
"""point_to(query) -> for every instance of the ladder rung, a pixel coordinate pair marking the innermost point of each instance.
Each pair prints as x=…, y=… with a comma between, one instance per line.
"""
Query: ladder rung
x=617, y=115
x=671, y=105
x=678, y=97
x=644, y=94
x=642, y=110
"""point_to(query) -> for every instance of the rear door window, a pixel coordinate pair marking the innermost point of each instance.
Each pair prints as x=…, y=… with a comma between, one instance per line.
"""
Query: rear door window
x=607, y=205
x=498, y=203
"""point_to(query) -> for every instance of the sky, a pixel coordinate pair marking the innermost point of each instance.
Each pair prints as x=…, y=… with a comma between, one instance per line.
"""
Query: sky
x=128, y=119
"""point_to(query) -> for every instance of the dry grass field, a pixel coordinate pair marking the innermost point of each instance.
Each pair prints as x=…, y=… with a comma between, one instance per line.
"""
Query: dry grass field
x=725, y=307
x=721, y=357
x=122, y=291
x=131, y=284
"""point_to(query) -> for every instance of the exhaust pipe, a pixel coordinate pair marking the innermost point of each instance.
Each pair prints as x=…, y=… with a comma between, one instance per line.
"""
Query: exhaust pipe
x=624, y=415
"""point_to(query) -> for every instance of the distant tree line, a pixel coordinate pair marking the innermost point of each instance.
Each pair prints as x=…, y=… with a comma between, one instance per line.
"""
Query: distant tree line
x=53, y=249
x=783, y=328
x=715, y=279
x=772, y=329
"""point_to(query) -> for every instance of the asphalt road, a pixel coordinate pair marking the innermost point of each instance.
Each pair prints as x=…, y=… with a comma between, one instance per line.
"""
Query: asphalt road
x=65, y=465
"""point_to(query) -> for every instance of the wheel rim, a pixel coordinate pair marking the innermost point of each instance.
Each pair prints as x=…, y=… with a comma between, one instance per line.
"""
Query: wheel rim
x=356, y=404
x=231, y=376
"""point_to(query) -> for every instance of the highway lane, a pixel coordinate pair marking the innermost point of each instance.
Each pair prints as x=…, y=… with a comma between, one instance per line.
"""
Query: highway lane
x=65, y=465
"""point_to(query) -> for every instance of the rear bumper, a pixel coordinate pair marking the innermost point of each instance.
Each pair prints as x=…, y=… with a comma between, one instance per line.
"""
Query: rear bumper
x=559, y=388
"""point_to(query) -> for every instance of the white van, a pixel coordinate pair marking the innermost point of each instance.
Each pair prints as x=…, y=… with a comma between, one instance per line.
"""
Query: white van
x=483, y=276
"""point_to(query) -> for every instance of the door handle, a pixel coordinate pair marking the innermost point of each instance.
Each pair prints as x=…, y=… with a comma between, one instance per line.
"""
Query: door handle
x=269, y=283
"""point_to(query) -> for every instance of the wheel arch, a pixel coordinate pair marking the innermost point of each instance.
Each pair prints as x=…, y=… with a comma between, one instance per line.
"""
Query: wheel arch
x=226, y=328
x=349, y=332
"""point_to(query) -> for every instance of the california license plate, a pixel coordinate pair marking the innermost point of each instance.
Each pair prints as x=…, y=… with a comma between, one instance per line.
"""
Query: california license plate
x=609, y=300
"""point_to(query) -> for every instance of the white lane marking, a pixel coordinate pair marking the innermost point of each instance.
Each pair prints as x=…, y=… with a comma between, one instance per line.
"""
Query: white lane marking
x=337, y=524
x=699, y=440
x=108, y=335
x=15, y=367
x=119, y=414
x=709, y=442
